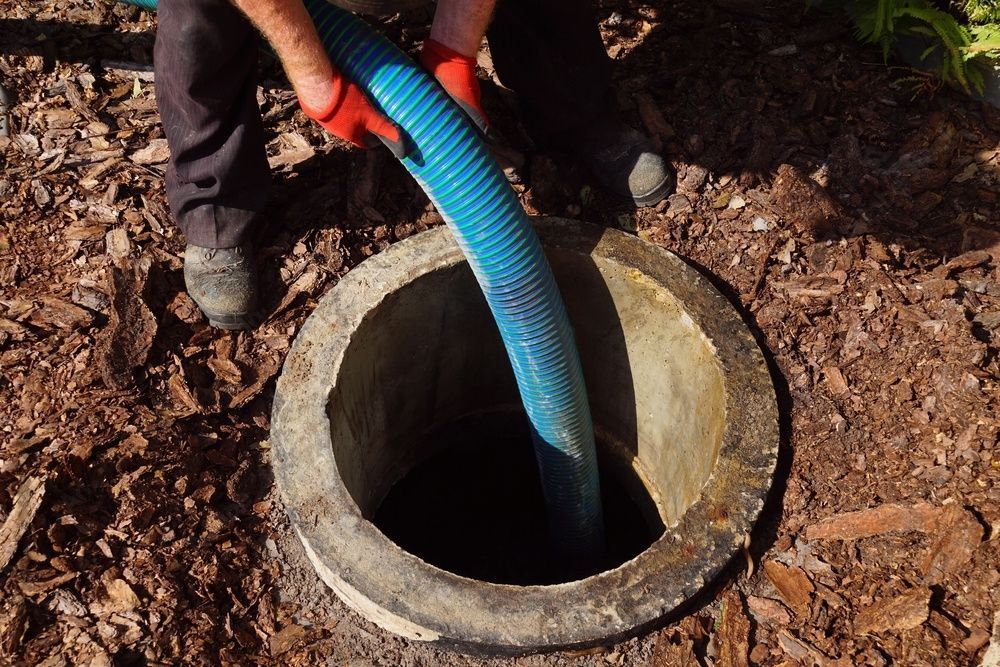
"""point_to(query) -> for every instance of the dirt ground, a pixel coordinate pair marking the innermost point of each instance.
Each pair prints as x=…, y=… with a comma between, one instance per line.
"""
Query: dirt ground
x=849, y=211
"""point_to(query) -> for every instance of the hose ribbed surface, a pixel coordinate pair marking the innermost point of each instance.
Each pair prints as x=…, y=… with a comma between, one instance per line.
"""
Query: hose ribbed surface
x=459, y=174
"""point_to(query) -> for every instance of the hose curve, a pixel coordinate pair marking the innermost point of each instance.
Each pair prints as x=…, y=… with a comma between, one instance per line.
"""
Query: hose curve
x=459, y=174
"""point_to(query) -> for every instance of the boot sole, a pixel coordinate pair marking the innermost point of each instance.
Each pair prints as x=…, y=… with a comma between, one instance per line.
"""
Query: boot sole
x=230, y=322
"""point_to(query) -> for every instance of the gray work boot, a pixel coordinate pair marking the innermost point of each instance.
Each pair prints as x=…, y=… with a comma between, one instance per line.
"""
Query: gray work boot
x=223, y=282
x=624, y=160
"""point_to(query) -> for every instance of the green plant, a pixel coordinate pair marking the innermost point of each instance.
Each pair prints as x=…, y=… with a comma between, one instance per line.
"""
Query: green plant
x=981, y=11
x=965, y=35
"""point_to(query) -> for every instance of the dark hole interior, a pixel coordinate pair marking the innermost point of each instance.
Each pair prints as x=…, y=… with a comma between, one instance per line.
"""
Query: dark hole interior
x=476, y=507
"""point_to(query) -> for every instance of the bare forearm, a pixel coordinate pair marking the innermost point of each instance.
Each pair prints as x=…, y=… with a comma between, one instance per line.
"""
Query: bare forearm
x=461, y=24
x=289, y=29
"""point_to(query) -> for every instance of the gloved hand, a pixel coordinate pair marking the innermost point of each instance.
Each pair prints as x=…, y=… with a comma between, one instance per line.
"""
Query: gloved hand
x=457, y=75
x=351, y=117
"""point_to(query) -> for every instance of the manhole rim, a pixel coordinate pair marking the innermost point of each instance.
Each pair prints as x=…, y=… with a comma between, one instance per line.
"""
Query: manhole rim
x=415, y=599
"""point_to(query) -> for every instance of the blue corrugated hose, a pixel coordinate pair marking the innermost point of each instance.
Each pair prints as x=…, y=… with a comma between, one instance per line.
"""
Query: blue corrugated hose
x=460, y=176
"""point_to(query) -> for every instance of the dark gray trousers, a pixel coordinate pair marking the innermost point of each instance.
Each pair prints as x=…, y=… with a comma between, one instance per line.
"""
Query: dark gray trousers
x=549, y=52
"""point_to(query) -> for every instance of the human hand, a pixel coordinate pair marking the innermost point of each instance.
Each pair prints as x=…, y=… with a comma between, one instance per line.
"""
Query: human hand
x=457, y=75
x=350, y=116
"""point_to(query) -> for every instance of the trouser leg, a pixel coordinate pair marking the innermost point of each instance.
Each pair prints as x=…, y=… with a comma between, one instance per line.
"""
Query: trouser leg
x=206, y=83
x=550, y=53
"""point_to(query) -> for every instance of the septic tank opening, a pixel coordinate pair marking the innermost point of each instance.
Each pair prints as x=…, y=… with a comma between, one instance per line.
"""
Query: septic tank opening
x=476, y=509
x=404, y=346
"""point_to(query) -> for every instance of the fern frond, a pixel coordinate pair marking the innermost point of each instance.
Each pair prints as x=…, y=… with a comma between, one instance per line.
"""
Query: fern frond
x=982, y=11
x=873, y=18
x=985, y=38
x=954, y=37
x=964, y=50
x=977, y=80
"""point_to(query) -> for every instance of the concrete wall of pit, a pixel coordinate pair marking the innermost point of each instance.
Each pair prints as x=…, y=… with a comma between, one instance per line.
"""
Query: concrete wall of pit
x=404, y=344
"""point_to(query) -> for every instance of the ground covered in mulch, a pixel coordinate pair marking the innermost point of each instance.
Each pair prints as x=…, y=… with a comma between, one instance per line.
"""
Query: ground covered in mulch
x=847, y=208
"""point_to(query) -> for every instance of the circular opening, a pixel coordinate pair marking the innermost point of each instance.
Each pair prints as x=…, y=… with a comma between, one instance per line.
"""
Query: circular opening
x=476, y=507
x=420, y=445
x=401, y=367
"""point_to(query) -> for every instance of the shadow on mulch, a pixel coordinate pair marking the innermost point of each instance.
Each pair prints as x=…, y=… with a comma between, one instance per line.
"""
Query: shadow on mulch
x=739, y=110
x=66, y=41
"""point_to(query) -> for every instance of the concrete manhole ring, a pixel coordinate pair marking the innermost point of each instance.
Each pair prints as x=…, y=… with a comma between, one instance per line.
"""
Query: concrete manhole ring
x=404, y=343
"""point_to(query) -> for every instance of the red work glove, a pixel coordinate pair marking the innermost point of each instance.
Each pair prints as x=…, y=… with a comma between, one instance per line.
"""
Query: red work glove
x=457, y=75
x=352, y=118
